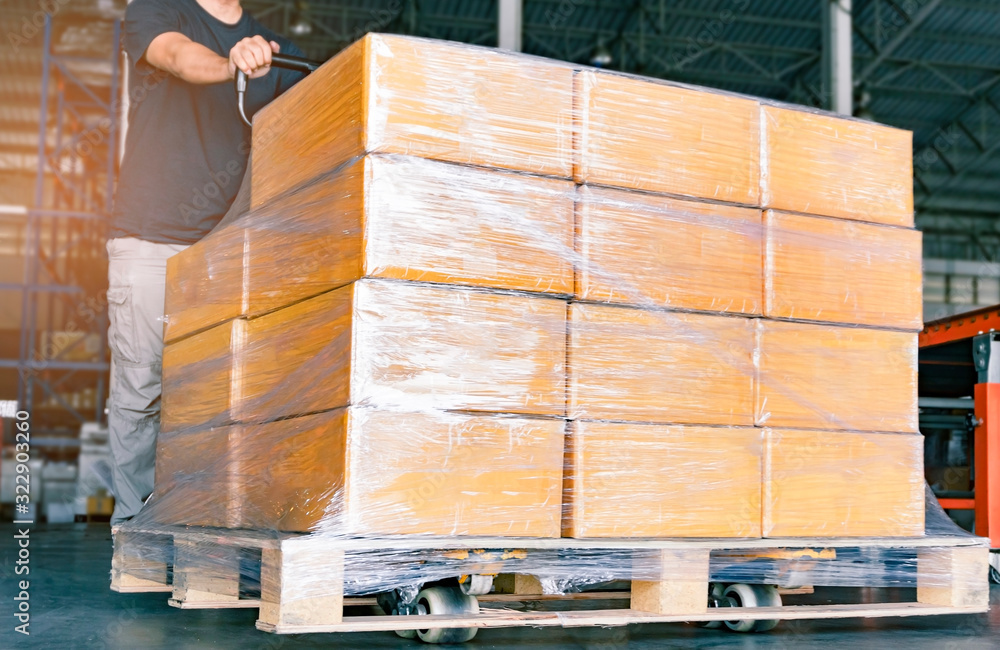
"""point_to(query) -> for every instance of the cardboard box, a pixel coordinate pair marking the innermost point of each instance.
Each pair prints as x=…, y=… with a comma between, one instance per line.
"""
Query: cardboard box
x=644, y=480
x=427, y=98
x=837, y=167
x=383, y=216
x=100, y=505
x=842, y=271
x=654, y=252
x=359, y=471
x=843, y=484
x=836, y=378
x=196, y=480
x=71, y=345
x=650, y=135
x=378, y=343
x=204, y=285
x=657, y=366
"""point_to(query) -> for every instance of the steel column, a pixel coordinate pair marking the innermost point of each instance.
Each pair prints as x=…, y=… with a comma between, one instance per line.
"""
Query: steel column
x=32, y=240
x=510, y=14
x=838, y=55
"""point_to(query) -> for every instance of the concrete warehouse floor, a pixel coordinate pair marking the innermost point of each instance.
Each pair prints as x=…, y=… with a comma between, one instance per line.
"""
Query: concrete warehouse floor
x=72, y=607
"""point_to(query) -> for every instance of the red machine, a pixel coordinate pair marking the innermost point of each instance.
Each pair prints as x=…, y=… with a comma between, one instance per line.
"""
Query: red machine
x=959, y=359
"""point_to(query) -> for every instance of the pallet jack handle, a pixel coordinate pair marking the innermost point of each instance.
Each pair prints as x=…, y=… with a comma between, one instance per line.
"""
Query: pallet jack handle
x=285, y=61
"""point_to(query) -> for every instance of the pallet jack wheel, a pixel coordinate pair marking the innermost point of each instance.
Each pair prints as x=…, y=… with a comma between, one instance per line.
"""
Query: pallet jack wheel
x=752, y=596
x=406, y=634
x=446, y=601
x=716, y=595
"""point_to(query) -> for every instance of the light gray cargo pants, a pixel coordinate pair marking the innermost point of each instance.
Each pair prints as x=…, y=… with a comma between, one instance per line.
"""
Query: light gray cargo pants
x=137, y=271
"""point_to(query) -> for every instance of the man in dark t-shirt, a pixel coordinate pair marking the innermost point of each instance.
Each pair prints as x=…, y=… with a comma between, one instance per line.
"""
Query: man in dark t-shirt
x=186, y=152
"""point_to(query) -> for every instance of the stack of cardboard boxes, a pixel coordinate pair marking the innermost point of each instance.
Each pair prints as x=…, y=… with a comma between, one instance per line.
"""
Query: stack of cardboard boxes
x=386, y=342
x=479, y=293
x=790, y=410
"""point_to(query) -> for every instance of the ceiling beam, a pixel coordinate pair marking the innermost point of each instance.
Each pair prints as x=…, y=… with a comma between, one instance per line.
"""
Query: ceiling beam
x=890, y=46
x=709, y=16
x=937, y=63
x=946, y=139
x=957, y=38
x=587, y=33
x=919, y=91
x=990, y=6
x=964, y=200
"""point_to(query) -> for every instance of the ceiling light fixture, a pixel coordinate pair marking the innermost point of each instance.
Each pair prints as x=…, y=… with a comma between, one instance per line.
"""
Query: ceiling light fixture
x=301, y=24
x=601, y=58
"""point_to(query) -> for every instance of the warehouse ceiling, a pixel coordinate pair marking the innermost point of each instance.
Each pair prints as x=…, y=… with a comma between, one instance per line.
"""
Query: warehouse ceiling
x=930, y=66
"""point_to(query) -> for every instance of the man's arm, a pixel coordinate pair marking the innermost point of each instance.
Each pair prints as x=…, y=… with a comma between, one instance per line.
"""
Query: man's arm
x=177, y=54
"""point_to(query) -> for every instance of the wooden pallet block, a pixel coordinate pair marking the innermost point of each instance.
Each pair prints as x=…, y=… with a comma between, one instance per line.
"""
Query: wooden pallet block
x=670, y=594
x=287, y=576
x=302, y=580
x=139, y=562
x=517, y=584
x=163, y=561
x=952, y=565
x=214, y=583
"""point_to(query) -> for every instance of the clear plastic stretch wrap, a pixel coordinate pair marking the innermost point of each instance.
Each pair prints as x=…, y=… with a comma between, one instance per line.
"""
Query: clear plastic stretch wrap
x=484, y=295
x=826, y=165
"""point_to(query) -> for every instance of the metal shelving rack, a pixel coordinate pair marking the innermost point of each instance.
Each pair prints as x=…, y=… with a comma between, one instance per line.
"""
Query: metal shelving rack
x=63, y=367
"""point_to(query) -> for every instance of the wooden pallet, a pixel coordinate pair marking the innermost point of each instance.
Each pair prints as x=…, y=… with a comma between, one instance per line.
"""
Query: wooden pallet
x=206, y=574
